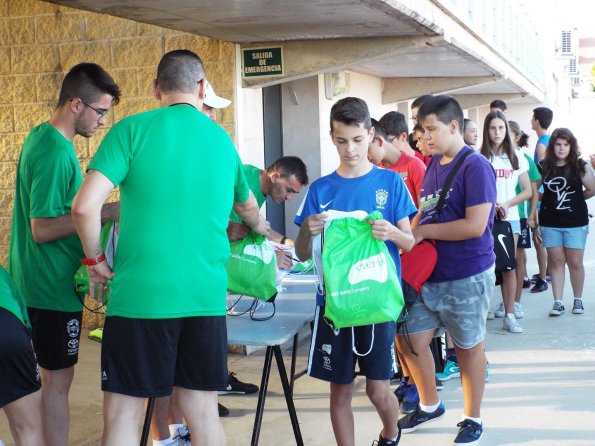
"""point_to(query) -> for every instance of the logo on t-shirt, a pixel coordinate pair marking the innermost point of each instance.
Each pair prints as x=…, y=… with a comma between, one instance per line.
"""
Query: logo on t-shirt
x=381, y=198
x=372, y=268
x=559, y=186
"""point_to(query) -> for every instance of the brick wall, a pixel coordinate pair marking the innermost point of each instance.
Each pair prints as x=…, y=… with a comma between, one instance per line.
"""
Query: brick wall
x=40, y=42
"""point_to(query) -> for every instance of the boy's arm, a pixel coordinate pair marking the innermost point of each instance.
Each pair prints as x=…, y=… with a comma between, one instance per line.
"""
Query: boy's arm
x=310, y=227
x=532, y=219
x=400, y=234
x=540, y=149
x=472, y=226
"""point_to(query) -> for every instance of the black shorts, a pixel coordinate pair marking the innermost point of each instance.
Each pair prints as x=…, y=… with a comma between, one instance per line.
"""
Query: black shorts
x=56, y=336
x=147, y=357
x=525, y=235
x=19, y=373
x=332, y=357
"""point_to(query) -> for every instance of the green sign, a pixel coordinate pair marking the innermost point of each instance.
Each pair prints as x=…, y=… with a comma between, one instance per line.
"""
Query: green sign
x=263, y=62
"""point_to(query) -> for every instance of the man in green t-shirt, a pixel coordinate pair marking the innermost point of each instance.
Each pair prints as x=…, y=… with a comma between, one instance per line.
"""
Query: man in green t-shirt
x=44, y=249
x=281, y=181
x=20, y=396
x=179, y=177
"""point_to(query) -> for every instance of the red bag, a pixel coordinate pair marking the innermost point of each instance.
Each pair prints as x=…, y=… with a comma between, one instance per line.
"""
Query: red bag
x=418, y=264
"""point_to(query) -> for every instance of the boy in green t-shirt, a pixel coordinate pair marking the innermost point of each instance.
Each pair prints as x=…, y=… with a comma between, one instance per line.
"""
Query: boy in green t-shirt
x=44, y=249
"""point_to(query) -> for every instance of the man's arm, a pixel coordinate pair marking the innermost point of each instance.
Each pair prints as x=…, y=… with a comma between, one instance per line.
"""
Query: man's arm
x=249, y=213
x=472, y=226
x=86, y=215
x=56, y=228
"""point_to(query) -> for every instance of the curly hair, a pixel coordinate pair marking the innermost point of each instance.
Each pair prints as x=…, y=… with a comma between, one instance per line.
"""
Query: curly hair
x=574, y=163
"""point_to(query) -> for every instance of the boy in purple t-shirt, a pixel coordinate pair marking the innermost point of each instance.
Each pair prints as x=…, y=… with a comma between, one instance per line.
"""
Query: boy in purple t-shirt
x=457, y=295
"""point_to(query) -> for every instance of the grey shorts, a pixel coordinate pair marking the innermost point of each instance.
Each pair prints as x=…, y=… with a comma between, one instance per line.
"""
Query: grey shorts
x=459, y=306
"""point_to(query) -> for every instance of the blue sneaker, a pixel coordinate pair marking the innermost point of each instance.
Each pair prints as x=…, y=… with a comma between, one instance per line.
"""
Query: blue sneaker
x=451, y=370
x=401, y=390
x=469, y=434
x=411, y=422
x=410, y=400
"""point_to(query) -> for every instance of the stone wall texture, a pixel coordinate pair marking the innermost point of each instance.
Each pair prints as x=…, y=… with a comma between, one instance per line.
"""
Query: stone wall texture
x=40, y=42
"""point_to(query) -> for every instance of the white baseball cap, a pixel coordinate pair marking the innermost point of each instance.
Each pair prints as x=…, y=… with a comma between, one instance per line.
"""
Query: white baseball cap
x=212, y=100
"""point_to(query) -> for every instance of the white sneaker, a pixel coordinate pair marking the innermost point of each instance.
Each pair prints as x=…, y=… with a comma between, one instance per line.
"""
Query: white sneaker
x=490, y=316
x=511, y=324
x=518, y=311
x=500, y=310
x=182, y=438
x=557, y=309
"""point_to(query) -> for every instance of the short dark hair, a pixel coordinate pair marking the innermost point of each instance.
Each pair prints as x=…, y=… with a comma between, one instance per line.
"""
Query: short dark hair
x=544, y=116
x=446, y=109
x=394, y=123
x=351, y=111
x=179, y=71
x=288, y=166
x=417, y=103
x=87, y=81
x=378, y=129
x=498, y=103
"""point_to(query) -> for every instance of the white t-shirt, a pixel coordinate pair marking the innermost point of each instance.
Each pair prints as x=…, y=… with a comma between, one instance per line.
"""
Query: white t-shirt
x=506, y=180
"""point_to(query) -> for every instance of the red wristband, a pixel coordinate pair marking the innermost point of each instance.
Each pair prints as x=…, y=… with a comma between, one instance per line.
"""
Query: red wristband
x=94, y=261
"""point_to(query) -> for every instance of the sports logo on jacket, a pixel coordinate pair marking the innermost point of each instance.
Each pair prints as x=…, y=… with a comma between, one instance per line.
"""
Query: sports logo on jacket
x=381, y=198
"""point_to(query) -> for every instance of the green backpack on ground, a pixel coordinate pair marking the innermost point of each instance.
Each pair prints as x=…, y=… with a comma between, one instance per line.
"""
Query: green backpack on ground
x=252, y=267
x=360, y=277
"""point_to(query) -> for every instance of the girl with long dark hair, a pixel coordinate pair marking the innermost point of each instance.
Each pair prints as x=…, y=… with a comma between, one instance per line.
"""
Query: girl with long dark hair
x=568, y=182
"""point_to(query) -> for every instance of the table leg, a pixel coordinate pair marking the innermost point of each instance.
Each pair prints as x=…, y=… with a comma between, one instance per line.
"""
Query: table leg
x=293, y=358
x=288, y=396
x=264, y=383
x=147, y=425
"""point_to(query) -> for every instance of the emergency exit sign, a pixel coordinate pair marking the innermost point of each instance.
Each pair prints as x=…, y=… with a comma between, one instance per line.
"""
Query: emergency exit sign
x=263, y=62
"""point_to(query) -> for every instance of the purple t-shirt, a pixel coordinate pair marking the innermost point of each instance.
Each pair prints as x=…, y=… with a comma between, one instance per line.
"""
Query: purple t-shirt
x=474, y=184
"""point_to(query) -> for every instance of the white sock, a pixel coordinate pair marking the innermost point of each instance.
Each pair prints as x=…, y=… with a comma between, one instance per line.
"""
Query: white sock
x=557, y=300
x=429, y=409
x=578, y=298
x=173, y=429
x=165, y=442
x=477, y=420
x=510, y=315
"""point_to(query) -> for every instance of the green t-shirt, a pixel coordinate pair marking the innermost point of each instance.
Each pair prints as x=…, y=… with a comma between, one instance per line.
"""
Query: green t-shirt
x=11, y=299
x=253, y=178
x=534, y=175
x=48, y=177
x=178, y=174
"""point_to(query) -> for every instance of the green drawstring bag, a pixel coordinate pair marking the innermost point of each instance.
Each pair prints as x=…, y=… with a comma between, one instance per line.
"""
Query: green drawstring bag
x=360, y=277
x=109, y=239
x=252, y=267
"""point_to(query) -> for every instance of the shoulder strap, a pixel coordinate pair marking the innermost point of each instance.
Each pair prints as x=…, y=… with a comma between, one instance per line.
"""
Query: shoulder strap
x=447, y=183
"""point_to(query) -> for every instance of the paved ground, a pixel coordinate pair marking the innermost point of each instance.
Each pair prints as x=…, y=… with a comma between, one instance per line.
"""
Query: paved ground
x=541, y=390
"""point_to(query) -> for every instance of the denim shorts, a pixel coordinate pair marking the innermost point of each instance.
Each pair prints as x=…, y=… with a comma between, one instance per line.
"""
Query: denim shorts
x=574, y=238
x=459, y=306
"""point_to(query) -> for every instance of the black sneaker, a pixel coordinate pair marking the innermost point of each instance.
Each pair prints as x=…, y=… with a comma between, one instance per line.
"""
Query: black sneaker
x=411, y=422
x=578, y=308
x=386, y=442
x=540, y=286
x=469, y=434
x=410, y=400
x=439, y=385
x=526, y=283
x=238, y=387
x=223, y=411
